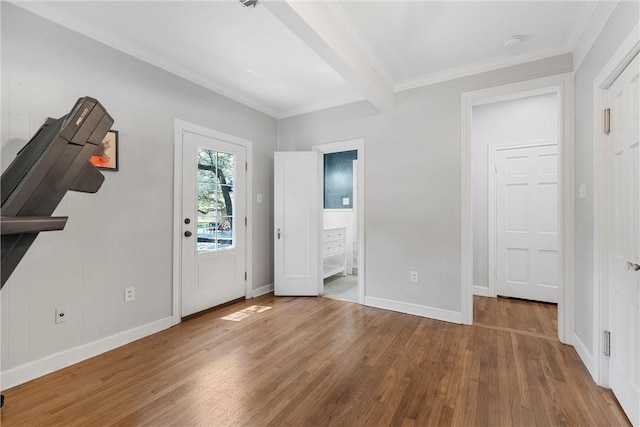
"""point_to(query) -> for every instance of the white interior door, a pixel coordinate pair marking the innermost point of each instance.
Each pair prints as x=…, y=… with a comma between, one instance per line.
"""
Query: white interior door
x=297, y=223
x=213, y=222
x=624, y=241
x=527, y=222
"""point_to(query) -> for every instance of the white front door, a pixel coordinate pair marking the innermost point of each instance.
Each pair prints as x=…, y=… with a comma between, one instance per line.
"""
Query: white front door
x=624, y=241
x=527, y=222
x=296, y=224
x=213, y=222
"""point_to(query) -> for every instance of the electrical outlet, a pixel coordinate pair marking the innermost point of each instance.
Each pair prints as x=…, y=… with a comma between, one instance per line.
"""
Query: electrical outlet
x=129, y=294
x=61, y=315
x=413, y=276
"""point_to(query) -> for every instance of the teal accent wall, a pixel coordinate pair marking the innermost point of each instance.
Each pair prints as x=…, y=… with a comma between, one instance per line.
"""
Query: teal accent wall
x=338, y=179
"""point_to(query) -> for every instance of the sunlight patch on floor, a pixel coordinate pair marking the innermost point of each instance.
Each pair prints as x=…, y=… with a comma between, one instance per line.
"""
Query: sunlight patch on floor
x=246, y=312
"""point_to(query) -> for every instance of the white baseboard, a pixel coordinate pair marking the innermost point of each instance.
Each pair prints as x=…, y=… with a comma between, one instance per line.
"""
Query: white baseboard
x=261, y=290
x=38, y=368
x=415, y=309
x=586, y=356
x=481, y=291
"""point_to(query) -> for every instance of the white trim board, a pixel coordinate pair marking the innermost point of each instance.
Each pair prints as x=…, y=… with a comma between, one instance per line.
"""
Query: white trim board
x=585, y=355
x=597, y=20
x=180, y=127
x=262, y=290
x=38, y=368
x=415, y=309
x=628, y=49
x=562, y=85
x=336, y=147
x=481, y=291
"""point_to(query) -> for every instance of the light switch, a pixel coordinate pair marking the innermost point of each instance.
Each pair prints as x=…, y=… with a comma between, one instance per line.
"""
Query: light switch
x=345, y=201
x=582, y=191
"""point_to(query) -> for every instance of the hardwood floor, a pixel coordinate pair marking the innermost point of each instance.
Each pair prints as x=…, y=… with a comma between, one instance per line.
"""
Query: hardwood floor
x=528, y=317
x=321, y=361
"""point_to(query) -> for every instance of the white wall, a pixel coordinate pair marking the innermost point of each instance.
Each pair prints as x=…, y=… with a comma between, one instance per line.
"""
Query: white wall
x=121, y=236
x=514, y=122
x=618, y=27
x=413, y=181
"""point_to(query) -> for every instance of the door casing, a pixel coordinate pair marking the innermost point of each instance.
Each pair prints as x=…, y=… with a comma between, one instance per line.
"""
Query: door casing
x=354, y=144
x=180, y=127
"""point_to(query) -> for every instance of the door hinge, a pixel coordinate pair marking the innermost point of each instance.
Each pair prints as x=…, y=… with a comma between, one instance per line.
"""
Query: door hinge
x=245, y=221
x=245, y=276
x=607, y=120
x=246, y=166
x=607, y=343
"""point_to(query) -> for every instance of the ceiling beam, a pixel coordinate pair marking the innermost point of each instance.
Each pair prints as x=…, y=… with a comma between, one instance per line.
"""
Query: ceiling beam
x=313, y=24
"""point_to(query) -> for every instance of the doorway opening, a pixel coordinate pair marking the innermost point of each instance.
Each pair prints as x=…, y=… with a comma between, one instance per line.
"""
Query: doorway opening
x=342, y=227
x=515, y=210
x=515, y=198
x=547, y=164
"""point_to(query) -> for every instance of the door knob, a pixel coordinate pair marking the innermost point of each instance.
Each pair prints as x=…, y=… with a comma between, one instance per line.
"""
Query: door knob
x=187, y=220
x=278, y=233
x=632, y=266
x=188, y=234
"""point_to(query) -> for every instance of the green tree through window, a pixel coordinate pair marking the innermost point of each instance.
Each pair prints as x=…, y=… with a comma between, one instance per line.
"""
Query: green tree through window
x=215, y=197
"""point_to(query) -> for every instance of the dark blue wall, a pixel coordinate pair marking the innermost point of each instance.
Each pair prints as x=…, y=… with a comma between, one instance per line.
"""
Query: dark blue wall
x=338, y=179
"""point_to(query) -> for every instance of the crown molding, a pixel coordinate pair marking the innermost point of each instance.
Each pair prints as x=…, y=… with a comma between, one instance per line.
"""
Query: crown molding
x=46, y=11
x=347, y=25
x=590, y=20
x=481, y=67
x=596, y=21
x=581, y=23
x=573, y=38
x=323, y=105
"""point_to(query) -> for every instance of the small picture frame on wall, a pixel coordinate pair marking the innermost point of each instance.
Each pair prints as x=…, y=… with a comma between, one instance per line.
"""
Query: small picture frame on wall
x=106, y=155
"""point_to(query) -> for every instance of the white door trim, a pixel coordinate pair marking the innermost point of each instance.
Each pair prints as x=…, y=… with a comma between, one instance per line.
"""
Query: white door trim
x=179, y=127
x=354, y=144
x=491, y=200
x=617, y=63
x=562, y=85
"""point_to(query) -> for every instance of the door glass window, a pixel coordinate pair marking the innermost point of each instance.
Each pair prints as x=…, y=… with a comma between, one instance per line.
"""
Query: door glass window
x=216, y=171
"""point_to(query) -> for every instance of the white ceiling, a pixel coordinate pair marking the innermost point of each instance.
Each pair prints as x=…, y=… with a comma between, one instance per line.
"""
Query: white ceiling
x=416, y=43
x=289, y=57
